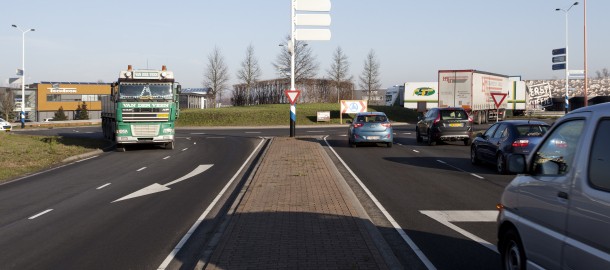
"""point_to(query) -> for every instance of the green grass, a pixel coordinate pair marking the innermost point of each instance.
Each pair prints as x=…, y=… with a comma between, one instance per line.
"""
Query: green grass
x=279, y=114
x=24, y=154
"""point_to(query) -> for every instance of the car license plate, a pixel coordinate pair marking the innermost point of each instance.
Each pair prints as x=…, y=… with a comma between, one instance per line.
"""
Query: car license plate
x=456, y=124
x=373, y=137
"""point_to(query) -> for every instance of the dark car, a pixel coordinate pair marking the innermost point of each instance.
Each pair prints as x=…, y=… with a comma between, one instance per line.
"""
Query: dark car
x=370, y=127
x=444, y=124
x=506, y=137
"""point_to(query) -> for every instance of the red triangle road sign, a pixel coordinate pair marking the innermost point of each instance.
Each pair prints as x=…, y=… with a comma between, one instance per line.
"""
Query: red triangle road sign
x=292, y=95
x=500, y=96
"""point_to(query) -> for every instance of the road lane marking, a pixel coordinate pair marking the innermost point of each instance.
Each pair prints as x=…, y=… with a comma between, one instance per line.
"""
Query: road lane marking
x=108, y=184
x=443, y=162
x=408, y=133
x=185, y=149
x=477, y=176
x=141, y=169
x=420, y=254
x=215, y=137
x=446, y=217
x=40, y=214
x=81, y=160
x=315, y=131
x=167, y=157
x=198, y=133
x=253, y=132
x=155, y=188
x=184, y=239
x=415, y=151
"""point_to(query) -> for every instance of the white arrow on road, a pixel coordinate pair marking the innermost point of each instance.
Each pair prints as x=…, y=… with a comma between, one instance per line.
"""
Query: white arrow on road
x=154, y=188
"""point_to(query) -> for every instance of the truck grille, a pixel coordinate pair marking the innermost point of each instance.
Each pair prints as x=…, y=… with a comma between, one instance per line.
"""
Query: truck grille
x=145, y=117
x=144, y=130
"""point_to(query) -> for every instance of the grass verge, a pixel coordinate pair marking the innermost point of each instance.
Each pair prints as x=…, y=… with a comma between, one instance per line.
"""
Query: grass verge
x=279, y=114
x=24, y=154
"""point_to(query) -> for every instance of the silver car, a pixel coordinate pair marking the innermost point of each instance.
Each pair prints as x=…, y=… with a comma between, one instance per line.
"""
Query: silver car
x=556, y=213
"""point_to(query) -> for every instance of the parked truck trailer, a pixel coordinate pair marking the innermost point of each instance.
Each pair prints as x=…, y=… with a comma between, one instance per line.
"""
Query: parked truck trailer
x=473, y=89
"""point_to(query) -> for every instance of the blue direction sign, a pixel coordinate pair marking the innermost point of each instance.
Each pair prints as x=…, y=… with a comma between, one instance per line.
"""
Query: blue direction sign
x=559, y=51
x=559, y=66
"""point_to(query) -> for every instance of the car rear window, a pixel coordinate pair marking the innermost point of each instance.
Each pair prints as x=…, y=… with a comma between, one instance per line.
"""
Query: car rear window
x=371, y=118
x=532, y=130
x=453, y=115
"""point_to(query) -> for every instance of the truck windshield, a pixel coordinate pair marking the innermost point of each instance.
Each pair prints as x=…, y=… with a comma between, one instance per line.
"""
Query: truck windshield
x=146, y=91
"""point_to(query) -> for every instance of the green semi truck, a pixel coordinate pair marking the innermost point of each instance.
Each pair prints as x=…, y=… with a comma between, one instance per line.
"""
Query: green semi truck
x=142, y=108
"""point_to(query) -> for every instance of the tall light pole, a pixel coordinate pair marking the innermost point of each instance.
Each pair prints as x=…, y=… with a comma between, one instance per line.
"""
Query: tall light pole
x=565, y=11
x=22, y=115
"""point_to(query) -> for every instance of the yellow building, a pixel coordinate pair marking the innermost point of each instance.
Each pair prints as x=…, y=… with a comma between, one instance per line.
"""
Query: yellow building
x=69, y=95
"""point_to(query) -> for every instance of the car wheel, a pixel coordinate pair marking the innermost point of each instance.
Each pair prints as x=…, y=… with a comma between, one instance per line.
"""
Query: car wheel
x=467, y=142
x=474, y=159
x=511, y=251
x=500, y=166
x=418, y=136
x=431, y=141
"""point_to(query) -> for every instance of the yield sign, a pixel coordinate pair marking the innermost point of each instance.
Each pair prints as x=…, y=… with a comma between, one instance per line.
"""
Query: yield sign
x=500, y=96
x=292, y=95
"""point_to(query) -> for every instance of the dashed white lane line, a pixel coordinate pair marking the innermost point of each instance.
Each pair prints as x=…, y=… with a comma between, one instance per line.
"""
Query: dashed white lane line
x=103, y=186
x=415, y=151
x=477, y=176
x=40, y=214
x=185, y=149
x=141, y=169
x=167, y=157
x=215, y=137
x=443, y=162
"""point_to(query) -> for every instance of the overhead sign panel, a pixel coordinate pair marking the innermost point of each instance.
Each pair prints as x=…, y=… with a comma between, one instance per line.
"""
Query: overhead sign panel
x=559, y=66
x=313, y=19
x=312, y=34
x=559, y=51
x=312, y=5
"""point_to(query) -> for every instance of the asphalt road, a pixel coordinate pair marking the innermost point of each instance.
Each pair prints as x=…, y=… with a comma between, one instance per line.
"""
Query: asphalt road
x=69, y=217
x=445, y=205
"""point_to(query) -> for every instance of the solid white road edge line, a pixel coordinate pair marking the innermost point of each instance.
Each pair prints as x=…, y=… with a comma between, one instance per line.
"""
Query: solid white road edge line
x=420, y=254
x=40, y=214
x=445, y=218
x=176, y=249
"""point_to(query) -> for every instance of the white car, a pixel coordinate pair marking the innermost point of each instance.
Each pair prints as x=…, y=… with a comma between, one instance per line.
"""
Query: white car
x=5, y=125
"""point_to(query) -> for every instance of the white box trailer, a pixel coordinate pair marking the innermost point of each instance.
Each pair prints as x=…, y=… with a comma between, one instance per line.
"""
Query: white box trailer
x=421, y=96
x=473, y=89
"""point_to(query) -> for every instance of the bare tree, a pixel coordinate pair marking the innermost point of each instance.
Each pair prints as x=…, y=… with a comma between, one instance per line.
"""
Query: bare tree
x=249, y=73
x=7, y=104
x=603, y=73
x=305, y=66
x=339, y=69
x=369, y=80
x=216, y=75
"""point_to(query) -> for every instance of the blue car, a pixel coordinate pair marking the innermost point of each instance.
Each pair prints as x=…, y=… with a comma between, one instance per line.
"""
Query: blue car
x=506, y=137
x=370, y=127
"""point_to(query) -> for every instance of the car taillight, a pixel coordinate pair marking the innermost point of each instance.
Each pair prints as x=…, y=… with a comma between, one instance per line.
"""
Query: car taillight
x=357, y=125
x=387, y=125
x=438, y=118
x=521, y=143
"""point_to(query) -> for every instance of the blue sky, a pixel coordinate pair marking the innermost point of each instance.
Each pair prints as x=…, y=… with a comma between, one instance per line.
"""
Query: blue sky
x=87, y=41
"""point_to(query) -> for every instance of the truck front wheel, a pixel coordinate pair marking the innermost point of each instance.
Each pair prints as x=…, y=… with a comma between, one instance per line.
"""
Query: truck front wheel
x=169, y=146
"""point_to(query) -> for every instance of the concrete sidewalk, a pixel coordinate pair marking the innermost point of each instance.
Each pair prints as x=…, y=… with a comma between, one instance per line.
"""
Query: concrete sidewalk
x=298, y=213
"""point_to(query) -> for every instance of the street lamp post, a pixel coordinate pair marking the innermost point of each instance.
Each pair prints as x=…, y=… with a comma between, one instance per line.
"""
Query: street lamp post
x=22, y=115
x=565, y=11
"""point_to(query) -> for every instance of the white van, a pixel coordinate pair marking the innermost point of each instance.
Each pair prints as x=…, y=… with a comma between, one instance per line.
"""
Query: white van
x=556, y=213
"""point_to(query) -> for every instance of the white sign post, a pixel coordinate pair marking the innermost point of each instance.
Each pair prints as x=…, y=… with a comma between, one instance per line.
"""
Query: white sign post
x=306, y=19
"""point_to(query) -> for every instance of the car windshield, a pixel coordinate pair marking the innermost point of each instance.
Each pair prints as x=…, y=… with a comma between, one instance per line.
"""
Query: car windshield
x=146, y=91
x=532, y=130
x=371, y=118
x=453, y=115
